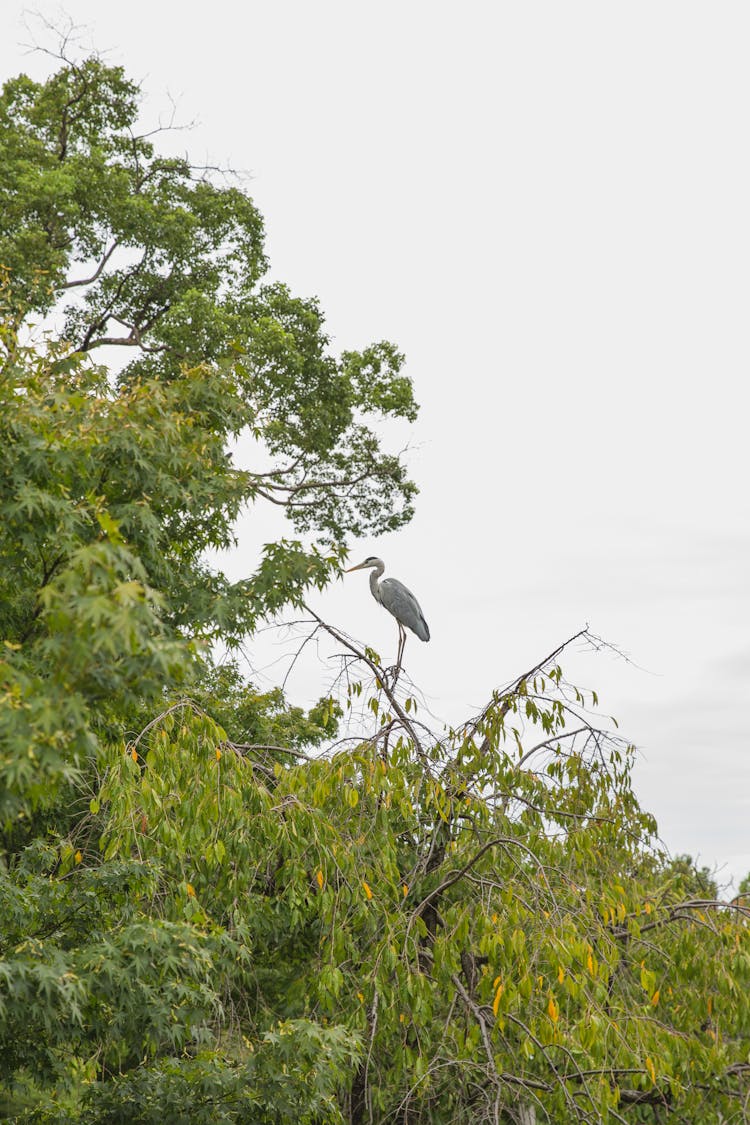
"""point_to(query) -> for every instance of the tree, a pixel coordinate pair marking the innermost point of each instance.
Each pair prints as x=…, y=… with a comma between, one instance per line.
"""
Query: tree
x=476, y=926
x=215, y=906
x=114, y=486
x=139, y=251
x=691, y=880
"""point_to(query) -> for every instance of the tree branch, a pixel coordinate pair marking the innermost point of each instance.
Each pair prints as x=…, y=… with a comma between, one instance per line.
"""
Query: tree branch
x=96, y=274
x=381, y=681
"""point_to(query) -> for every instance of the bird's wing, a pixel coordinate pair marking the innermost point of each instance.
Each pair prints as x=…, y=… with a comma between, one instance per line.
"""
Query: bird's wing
x=404, y=606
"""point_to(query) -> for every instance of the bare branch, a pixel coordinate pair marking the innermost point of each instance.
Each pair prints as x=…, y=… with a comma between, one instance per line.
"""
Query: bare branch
x=381, y=680
x=683, y=911
x=96, y=274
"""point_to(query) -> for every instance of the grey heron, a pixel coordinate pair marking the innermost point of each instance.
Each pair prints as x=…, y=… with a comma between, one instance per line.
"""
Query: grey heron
x=400, y=602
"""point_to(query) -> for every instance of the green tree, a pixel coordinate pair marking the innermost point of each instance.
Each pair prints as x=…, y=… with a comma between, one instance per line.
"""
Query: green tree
x=476, y=925
x=147, y=253
x=489, y=910
x=206, y=915
x=114, y=487
x=691, y=880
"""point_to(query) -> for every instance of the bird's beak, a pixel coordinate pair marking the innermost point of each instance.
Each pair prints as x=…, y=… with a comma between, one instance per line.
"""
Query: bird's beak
x=349, y=569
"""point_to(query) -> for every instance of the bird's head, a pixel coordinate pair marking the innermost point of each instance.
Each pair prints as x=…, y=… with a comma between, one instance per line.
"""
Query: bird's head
x=370, y=561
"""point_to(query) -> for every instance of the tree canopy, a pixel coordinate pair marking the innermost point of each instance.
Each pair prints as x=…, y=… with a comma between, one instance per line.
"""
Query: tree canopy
x=148, y=253
x=218, y=906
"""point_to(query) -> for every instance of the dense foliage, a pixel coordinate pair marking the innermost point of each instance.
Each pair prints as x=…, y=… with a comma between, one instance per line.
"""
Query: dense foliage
x=215, y=907
x=146, y=254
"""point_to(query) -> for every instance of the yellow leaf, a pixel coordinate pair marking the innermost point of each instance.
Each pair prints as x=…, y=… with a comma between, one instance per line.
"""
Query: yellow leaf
x=590, y=964
x=190, y=890
x=218, y=754
x=496, y=1001
x=78, y=857
x=655, y=999
x=560, y=974
x=552, y=1010
x=494, y=919
x=368, y=892
x=360, y=997
x=401, y=1018
x=647, y=907
x=651, y=1070
x=134, y=754
x=319, y=877
x=405, y=889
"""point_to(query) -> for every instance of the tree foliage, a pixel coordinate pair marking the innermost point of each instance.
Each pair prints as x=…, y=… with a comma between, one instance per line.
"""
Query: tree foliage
x=215, y=906
x=116, y=484
x=146, y=253
x=408, y=928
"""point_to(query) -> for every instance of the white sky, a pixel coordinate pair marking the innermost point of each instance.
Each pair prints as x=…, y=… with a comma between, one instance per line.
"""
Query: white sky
x=546, y=206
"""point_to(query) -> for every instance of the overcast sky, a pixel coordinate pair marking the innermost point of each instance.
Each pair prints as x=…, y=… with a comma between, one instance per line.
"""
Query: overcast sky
x=547, y=207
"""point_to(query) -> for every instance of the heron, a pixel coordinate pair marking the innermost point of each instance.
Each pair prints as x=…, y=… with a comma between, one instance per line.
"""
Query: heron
x=400, y=602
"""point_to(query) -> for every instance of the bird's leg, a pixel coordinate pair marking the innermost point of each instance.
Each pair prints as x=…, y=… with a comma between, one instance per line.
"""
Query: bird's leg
x=396, y=668
x=401, y=644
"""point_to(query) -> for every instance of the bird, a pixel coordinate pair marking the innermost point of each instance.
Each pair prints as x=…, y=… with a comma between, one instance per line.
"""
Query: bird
x=400, y=602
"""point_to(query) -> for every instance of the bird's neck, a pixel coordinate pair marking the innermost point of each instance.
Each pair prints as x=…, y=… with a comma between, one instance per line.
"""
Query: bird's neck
x=374, y=584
